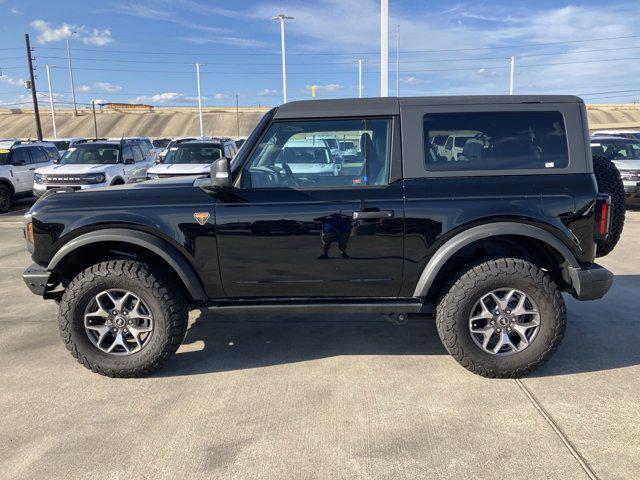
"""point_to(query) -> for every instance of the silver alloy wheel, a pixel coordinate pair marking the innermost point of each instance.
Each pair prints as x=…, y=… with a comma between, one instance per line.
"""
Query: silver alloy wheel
x=504, y=321
x=118, y=322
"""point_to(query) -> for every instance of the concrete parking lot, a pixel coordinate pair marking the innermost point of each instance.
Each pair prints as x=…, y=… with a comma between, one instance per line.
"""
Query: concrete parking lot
x=320, y=397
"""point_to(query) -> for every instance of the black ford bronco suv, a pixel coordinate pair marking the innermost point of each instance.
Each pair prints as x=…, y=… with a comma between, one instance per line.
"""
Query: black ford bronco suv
x=482, y=209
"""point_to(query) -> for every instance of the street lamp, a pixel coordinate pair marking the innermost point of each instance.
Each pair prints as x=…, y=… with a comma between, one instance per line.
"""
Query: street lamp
x=282, y=17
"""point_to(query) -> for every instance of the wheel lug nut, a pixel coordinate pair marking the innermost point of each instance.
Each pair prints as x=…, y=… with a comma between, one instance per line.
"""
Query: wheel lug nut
x=508, y=312
x=493, y=322
x=498, y=330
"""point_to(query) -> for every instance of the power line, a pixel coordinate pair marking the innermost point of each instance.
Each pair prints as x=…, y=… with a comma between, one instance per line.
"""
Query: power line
x=522, y=45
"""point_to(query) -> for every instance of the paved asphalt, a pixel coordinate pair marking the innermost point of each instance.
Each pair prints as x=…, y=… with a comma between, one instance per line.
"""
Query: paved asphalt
x=321, y=397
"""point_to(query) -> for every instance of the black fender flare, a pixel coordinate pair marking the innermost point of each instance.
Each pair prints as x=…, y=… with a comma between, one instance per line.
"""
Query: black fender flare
x=453, y=245
x=160, y=247
x=7, y=183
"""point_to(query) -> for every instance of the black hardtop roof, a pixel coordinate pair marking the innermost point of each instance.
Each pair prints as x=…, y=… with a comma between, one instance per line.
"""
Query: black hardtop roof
x=391, y=105
x=113, y=143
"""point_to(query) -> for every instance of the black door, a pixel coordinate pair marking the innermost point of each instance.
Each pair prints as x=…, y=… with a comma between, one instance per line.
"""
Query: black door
x=311, y=219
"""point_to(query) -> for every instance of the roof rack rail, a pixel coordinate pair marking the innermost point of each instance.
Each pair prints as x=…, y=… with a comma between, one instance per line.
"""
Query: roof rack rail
x=90, y=140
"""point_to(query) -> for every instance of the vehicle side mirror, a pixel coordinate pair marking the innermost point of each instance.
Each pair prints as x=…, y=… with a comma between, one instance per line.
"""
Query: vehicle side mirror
x=129, y=161
x=56, y=160
x=221, y=173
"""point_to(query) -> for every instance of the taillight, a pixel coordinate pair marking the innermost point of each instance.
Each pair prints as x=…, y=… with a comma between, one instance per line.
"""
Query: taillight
x=603, y=217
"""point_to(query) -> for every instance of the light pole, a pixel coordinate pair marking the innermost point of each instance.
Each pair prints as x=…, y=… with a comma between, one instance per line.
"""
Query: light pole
x=384, y=48
x=513, y=68
x=397, y=60
x=53, y=111
x=281, y=18
x=199, y=100
x=73, y=90
x=359, y=61
x=95, y=122
x=237, y=117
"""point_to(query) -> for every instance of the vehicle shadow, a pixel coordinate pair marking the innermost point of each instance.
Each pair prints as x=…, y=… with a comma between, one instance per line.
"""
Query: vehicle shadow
x=599, y=337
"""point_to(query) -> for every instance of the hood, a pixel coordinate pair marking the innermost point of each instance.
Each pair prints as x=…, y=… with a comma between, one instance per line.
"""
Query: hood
x=73, y=169
x=180, y=169
x=627, y=164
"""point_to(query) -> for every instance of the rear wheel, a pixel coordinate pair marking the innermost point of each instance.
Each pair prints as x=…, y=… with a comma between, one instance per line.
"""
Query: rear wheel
x=122, y=318
x=5, y=199
x=502, y=318
x=609, y=182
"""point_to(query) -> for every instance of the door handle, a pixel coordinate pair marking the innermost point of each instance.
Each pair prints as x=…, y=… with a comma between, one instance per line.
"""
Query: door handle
x=32, y=169
x=375, y=214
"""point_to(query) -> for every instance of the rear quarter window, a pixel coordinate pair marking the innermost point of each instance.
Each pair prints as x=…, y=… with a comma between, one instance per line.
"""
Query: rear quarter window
x=497, y=141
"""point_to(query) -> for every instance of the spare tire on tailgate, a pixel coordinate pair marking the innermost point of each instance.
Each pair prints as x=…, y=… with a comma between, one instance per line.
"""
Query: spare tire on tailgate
x=609, y=181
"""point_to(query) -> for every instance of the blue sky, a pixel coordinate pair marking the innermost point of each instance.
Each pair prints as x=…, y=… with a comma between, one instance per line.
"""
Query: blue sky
x=144, y=51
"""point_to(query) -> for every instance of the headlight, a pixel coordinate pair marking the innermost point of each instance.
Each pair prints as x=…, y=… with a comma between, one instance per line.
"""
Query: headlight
x=152, y=176
x=94, y=178
x=38, y=178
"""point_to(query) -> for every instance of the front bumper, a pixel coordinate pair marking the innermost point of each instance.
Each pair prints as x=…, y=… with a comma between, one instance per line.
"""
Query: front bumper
x=40, y=189
x=38, y=279
x=590, y=283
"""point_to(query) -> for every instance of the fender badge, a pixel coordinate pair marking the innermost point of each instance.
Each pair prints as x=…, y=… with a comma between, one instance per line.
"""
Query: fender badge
x=201, y=217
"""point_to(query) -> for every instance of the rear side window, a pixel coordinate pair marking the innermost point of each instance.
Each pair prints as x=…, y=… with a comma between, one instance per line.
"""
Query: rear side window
x=38, y=155
x=496, y=141
x=137, y=153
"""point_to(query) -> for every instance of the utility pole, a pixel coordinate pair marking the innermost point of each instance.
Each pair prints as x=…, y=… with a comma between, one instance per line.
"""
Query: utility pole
x=281, y=18
x=95, y=123
x=359, y=61
x=53, y=110
x=397, y=60
x=237, y=117
x=384, y=48
x=199, y=100
x=34, y=96
x=73, y=90
x=513, y=68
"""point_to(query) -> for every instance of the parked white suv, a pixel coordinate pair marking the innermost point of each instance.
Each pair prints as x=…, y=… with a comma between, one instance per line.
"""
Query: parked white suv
x=18, y=161
x=95, y=163
x=193, y=157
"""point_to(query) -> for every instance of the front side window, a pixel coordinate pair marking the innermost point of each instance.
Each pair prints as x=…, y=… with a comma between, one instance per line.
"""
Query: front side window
x=20, y=157
x=38, y=155
x=90, y=155
x=495, y=141
x=301, y=154
x=193, y=154
x=137, y=154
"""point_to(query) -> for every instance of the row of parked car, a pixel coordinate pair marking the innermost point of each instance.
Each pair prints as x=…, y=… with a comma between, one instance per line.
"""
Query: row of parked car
x=622, y=147
x=32, y=168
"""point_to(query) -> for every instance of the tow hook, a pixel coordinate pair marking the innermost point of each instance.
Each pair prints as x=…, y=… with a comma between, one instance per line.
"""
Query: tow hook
x=396, y=318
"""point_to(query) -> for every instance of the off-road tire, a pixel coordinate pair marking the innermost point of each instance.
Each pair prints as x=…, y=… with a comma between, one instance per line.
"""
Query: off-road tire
x=6, y=199
x=609, y=181
x=159, y=291
x=454, y=309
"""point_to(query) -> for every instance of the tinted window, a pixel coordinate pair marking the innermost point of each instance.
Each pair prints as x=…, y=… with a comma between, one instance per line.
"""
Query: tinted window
x=617, y=150
x=298, y=155
x=38, y=155
x=52, y=153
x=193, y=154
x=20, y=157
x=137, y=154
x=144, y=148
x=90, y=154
x=61, y=144
x=496, y=141
x=160, y=142
x=127, y=153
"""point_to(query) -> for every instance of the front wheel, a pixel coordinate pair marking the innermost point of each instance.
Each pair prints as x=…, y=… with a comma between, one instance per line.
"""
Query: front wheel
x=502, y=318
x=122, y=318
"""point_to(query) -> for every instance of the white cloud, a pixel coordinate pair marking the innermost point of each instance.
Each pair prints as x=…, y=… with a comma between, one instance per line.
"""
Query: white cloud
x=224, y=40
x=99, y=101
x=266, y=92
x=166, y=97
x=411, y=80
x=84, y=89
x=220, y=96
x=15, y=11
x=330, y=88
x=49, y=33
x=18, y=82
x=107, y=87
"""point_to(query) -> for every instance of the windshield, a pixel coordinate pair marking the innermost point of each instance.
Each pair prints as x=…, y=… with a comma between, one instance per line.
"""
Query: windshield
x=193, y=154
x=4, y=156
x=61, y=145
x=91, y=155
x=617, y=150
x=161, y=143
